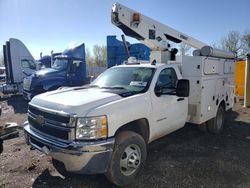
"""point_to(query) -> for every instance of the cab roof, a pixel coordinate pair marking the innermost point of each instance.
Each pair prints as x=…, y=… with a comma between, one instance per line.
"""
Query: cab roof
x=148, y=65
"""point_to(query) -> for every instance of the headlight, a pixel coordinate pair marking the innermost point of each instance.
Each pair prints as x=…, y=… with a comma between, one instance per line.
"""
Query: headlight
x=92, y=128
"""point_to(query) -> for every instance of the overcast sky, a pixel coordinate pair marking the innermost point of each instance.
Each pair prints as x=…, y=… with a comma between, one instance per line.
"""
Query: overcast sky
x=47, y=25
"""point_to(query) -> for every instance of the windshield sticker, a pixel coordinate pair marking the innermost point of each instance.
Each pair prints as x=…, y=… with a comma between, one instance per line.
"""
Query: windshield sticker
x=138, y=83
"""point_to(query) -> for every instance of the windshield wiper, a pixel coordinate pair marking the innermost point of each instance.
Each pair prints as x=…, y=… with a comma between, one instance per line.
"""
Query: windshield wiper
x=94, y=86
x=114, y=87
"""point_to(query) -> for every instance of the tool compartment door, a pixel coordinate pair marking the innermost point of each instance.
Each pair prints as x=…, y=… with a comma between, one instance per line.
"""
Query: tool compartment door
x=208, y=99
x=211, y=66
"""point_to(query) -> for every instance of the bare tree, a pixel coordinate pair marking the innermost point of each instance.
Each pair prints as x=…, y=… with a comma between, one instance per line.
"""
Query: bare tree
x=89, y=58
x=184, y=49
x=100, y=55
x=246, y=41
x=233, y=42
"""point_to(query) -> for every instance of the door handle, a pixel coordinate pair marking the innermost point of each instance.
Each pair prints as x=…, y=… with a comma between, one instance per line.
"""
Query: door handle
x=180, y=99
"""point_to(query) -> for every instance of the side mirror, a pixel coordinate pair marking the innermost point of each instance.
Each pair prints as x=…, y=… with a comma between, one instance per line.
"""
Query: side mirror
x=182, y=89
x=158, y=91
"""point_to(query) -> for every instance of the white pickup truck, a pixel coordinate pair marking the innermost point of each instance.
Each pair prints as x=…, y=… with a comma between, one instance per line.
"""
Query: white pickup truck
x=105, y=127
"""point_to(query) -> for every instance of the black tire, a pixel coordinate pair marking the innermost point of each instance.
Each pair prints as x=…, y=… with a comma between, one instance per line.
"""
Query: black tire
x=216, y=124
x=131, y=143
x=59, y=166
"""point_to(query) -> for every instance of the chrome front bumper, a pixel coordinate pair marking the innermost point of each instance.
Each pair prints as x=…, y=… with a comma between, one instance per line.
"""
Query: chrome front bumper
x=78, y=157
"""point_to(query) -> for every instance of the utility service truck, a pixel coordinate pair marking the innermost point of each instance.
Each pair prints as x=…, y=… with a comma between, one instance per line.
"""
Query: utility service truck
x=105, y=127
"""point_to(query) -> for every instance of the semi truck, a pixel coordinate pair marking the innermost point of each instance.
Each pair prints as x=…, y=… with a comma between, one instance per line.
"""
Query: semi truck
x=105, y=127
x=116, y=52
x=68, y=69
x=18, y=63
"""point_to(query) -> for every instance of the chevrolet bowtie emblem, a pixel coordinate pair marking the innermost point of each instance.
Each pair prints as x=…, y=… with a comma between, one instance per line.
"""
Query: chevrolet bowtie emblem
x=40, y=120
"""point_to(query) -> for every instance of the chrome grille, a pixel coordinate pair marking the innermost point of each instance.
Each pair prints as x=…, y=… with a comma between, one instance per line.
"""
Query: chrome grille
x=54, y=125
x=54, y=117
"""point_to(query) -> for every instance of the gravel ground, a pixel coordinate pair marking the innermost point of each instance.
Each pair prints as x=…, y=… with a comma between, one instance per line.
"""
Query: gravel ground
x=185, y=158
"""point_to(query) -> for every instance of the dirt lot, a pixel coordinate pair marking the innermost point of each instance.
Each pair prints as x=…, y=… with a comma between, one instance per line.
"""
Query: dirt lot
x=186, y=158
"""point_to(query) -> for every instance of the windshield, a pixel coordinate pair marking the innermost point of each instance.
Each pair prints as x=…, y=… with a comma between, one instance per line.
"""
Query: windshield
x=133, y=79
x=60, y=64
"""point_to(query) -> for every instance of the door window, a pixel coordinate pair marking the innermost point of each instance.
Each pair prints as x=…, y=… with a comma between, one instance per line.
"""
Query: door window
x=28, y=64
x=166, y=81
x=76, y=66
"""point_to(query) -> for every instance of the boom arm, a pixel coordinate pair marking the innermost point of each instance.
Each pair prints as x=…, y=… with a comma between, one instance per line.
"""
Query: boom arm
x=150, y=32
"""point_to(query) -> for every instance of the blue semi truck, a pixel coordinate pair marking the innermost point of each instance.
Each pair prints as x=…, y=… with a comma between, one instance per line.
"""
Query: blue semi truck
x=68, y=69
x=116, y=53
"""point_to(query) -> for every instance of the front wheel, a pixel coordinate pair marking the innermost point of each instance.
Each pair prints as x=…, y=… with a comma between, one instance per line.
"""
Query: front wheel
x=128, y=159
x=216, y=124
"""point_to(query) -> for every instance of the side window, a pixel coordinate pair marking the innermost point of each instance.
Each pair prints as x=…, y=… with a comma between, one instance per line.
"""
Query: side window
x=166, y=81
x=76, y=66
x=28, y=64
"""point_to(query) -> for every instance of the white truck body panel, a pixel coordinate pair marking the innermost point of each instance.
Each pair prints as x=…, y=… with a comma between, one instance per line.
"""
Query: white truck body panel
x=73, y=101
x=211, y=81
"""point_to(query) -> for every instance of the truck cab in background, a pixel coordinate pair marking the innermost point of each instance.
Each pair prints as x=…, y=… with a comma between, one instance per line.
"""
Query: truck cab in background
x=46, y=61
x=68, y=69
x=18, y=63
x=116, y=53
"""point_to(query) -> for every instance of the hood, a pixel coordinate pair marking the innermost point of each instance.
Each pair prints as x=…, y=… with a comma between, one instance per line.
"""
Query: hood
x=74, y=100
x=46, y=71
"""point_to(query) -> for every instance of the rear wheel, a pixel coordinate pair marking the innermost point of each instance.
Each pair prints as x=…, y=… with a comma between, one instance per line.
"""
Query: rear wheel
x=216, y=124
x=128, y=158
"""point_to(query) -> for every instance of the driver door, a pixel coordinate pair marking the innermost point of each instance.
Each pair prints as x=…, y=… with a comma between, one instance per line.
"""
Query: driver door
x=28, y=67
x=77, y=73
x=170, y=111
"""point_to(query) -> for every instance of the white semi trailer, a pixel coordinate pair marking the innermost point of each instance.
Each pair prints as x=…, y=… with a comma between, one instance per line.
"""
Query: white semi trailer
x=105, y=127
x=18, y=63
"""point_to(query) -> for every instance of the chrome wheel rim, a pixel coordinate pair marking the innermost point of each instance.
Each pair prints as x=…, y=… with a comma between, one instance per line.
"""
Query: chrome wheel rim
x=130, y=160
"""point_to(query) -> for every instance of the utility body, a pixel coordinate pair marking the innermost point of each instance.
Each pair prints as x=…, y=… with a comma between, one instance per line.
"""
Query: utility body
x=105, y=127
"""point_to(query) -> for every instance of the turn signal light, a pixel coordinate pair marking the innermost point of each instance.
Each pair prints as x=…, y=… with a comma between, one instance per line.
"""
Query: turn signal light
x=136, y=17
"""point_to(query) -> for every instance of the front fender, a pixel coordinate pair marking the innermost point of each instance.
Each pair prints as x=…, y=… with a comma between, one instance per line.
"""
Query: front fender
x=125, y=110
